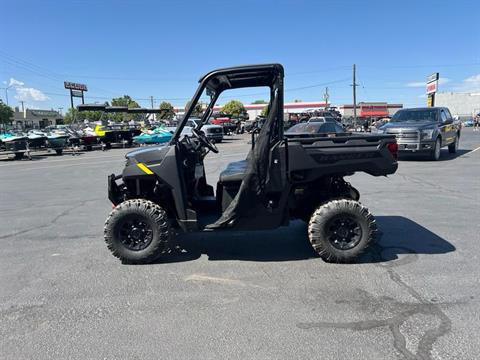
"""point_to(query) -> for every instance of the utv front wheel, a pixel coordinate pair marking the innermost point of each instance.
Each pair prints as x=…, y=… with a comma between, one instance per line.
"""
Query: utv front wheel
x=340, y=230
x=137, y=231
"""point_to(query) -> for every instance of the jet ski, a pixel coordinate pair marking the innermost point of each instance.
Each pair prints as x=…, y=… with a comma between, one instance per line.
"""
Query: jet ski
x=57, y=139
x=13, y=143
x=89, y=137
x=37, y=139
x=158, y=135
x=116, y=133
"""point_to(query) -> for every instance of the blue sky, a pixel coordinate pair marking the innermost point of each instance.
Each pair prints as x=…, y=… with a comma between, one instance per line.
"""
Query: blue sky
x=160, y=48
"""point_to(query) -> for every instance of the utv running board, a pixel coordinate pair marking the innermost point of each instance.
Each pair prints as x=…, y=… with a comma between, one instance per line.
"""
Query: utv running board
x=114, y=192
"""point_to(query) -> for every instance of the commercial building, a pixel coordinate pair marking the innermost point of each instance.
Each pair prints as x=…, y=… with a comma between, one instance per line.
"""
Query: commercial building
x=36, y=118
x=462, y=105
x=254, y=110
x=370, y=109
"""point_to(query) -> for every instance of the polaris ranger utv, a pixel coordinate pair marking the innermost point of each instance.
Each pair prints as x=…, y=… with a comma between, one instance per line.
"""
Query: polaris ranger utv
x=163, y=190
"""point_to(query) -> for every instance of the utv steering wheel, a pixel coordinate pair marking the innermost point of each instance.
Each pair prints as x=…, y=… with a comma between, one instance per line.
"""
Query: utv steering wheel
x=200, y=135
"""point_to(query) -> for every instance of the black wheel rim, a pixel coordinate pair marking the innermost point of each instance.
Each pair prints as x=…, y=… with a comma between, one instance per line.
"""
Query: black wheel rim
x=135, y=233
x=344, y=232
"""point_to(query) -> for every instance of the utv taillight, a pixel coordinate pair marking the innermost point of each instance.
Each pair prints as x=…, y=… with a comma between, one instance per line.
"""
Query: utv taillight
x=393, y=148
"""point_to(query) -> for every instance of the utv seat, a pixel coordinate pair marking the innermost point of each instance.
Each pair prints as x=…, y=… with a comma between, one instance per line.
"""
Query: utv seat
x=235, y=172
x=229, y=182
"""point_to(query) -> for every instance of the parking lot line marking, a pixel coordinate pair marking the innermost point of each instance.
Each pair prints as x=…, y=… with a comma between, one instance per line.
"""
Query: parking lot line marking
x=25, y=162
x=475, y=149
x=64, y=165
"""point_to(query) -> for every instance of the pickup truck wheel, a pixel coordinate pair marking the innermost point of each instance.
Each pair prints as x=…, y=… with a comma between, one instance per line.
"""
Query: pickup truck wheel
x=435, y=154
x=341, y=230
x=137, y=231
x=452, y=148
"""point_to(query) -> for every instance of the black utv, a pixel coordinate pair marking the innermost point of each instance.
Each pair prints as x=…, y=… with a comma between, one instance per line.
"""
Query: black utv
x=163, y=190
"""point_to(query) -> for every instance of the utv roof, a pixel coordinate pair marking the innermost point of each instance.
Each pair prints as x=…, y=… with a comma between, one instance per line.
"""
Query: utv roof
x=242, y=76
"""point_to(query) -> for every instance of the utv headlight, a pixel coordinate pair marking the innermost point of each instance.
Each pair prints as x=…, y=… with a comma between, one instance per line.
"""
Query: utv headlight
x=427, y=134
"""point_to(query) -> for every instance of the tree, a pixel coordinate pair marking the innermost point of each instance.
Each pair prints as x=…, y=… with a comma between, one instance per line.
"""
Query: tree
x=259, y=102
x=127, y=101
x=235, y=108
x=70, y=116
x=74, y=115
x=168, y=111
x=198, y=110
x=264, y=111
x=6, y=114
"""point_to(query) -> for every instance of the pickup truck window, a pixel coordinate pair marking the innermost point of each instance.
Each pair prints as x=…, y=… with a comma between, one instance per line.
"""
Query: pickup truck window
x=449, y=115
x=415, y=115
x=443, y=116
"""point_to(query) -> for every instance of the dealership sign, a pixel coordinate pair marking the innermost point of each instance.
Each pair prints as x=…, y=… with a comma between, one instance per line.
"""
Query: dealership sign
x=75, y=86
x=432, y=87
x=432, y=83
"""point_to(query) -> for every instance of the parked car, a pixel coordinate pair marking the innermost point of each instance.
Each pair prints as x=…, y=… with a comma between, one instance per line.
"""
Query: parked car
x=228, y=125
x=468, y=123
x=424, y=130
x=326, y=128
x=322, y=119
x=213, y=132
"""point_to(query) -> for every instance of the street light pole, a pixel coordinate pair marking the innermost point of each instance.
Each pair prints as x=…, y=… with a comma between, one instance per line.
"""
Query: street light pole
x=6, y=92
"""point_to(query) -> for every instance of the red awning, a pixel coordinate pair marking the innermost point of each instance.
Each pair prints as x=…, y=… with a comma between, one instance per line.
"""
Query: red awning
x=374, y=113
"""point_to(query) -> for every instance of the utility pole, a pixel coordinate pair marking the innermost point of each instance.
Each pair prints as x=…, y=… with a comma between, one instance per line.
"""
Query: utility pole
x=60, y=110
x=354, y=85
x=326, y=97
x=151, y=102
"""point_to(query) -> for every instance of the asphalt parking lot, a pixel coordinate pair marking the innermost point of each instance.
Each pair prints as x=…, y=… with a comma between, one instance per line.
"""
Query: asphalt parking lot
x=258, y=295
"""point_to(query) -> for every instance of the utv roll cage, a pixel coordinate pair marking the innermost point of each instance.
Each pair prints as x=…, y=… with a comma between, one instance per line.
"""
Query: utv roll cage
x=217, y=81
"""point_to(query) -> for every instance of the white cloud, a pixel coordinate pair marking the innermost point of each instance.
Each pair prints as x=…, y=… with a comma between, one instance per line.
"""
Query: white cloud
x=24, y=93
x=415, y=84
x=473, y=80
x=470, y=84
x=15, y=83
x=27, y=94
x=418, y=84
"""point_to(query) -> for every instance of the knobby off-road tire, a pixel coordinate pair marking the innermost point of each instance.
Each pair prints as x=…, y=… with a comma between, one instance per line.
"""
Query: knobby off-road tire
x=341, y=230
x=137, y=231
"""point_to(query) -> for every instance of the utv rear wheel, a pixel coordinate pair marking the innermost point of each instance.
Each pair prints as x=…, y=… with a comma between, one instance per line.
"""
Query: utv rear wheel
x=137, y=231
x=340, y=230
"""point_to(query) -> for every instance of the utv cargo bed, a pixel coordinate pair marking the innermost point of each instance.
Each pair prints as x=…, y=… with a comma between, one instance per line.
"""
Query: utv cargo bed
x=310, y=156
